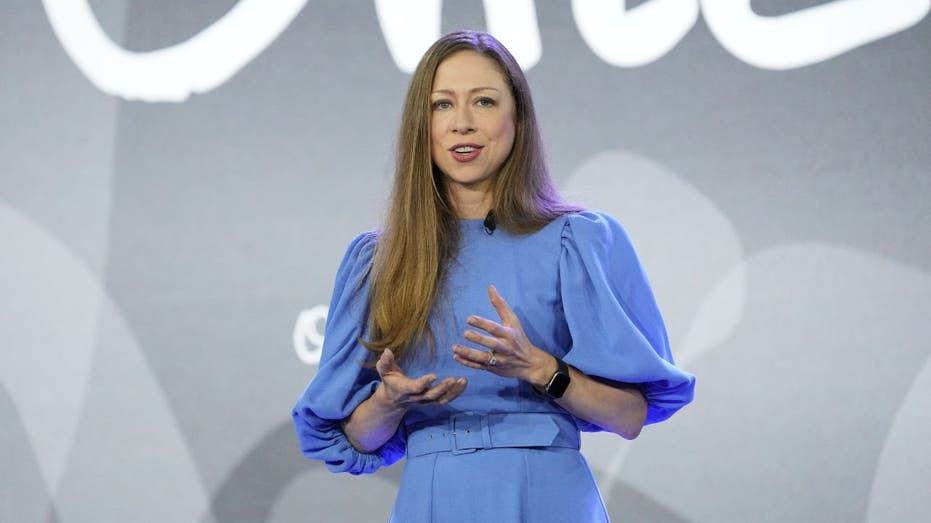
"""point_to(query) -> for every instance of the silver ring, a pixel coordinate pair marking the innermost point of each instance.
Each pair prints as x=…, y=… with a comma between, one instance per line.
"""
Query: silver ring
x=492, y=360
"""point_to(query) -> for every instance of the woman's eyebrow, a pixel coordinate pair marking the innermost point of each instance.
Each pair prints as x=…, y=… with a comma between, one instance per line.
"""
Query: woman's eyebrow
x=474, y=89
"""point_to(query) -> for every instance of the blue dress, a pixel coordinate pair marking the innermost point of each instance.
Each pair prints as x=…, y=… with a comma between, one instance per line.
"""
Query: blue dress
x=499, y=452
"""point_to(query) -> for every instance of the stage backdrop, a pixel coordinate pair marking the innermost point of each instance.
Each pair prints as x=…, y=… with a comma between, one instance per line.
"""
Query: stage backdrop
x=178, y=181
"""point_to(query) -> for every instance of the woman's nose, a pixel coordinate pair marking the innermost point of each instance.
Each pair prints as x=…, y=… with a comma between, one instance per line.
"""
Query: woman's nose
x=464, y=122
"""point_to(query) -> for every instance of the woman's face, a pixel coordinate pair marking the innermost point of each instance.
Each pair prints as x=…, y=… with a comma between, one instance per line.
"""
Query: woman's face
x=472, y=120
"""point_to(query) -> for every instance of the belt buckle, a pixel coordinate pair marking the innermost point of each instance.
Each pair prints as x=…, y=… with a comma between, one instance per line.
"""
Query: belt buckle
x=469, y=432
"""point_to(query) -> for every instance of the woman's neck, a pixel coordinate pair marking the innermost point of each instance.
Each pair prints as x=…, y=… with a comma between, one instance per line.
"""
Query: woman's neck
x=470, y=203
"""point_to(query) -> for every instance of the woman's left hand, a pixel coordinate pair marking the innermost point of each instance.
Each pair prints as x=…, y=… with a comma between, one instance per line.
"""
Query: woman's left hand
x=509, y=352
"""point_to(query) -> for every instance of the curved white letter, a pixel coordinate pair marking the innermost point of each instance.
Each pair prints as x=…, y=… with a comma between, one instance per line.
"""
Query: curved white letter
x=170, y=74
x=410, y=27
x=306, y=332
x=808, y=36
x=514, y=23
x=630, y=38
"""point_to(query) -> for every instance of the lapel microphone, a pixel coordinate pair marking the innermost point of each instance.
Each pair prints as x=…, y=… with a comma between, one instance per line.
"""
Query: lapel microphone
x=489, y=224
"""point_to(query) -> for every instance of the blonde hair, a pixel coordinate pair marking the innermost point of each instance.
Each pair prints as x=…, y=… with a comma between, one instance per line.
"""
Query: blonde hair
x=421, y=232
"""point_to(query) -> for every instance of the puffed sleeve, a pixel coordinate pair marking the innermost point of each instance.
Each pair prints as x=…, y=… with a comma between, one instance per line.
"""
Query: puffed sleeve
x=616, y=328
x=342, y=381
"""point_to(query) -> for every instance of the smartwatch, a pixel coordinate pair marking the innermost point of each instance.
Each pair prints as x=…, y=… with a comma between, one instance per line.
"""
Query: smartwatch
x=559, y=382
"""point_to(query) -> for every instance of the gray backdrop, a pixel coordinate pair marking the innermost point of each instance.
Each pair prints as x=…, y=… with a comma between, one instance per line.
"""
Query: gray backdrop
x=171, y=225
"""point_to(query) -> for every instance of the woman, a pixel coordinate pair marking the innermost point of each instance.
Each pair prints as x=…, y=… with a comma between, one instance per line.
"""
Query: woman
x=474, y=218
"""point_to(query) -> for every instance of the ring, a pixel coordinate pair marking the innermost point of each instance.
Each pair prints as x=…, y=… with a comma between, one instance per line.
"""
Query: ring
x=492, y=360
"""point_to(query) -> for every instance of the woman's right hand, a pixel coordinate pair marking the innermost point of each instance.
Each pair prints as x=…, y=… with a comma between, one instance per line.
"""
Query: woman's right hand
x=373, y=421
x=398, y=391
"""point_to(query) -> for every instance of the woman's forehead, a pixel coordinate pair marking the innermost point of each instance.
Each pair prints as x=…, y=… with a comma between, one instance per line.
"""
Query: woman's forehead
x=467, y=71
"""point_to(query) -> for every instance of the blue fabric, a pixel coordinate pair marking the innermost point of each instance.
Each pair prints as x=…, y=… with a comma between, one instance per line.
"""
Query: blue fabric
x=342, y=382
x=580, y=293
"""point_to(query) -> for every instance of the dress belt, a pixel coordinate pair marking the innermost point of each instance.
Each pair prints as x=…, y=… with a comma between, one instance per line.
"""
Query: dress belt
x=467, y=432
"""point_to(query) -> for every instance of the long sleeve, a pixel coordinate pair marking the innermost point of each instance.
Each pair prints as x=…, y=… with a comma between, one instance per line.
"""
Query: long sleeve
x=342, y=381
x=616, y=328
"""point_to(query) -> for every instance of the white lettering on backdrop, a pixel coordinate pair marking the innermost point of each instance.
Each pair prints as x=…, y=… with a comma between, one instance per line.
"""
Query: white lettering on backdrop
x=808, y=36
x=410, y=27
x=620, y=37
x=308, y=334
x=171, y=74
x=633, y=37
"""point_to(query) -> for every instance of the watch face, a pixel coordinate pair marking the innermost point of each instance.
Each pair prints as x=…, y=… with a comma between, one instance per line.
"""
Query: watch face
x=558, y=385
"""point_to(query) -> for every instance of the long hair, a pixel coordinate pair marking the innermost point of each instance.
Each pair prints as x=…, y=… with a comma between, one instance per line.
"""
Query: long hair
x=421, y=233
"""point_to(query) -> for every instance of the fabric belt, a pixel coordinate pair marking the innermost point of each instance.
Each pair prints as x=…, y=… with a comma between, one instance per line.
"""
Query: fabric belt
x=467, y=432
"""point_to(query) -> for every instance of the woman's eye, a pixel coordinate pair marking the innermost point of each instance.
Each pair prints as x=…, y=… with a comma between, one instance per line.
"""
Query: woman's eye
x=486, y=102
x=442, y=104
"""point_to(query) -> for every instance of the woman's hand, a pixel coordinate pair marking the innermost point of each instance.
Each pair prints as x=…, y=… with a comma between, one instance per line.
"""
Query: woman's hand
x=618, y=407
x=399, y=391
x=509, y=352
x=374, y=421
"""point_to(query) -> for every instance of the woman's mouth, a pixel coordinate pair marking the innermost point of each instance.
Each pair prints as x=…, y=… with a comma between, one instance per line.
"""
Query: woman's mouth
x=465, y=152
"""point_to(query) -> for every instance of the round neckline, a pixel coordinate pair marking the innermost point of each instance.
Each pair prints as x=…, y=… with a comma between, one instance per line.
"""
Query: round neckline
x=471, y=224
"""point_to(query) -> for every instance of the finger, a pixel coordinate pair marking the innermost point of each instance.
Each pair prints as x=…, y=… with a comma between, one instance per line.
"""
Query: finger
x=491, y=327
x=504, y=310
x=422, y=384
x=437, y=391
x=469, y=363
x=383, y=365
x=453, y=392
x=485, y=341
x=479, y=357
x=476, y=359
